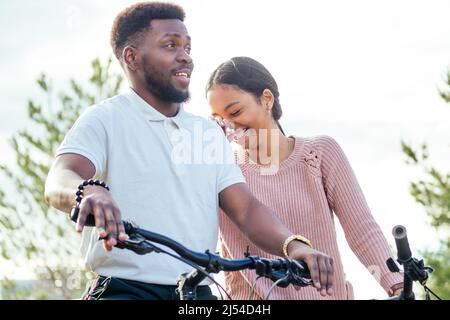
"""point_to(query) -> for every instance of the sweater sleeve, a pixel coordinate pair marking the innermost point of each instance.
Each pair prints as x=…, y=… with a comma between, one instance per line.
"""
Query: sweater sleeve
x=347, y=200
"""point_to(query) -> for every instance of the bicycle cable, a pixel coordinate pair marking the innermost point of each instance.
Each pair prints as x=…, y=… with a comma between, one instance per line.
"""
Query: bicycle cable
x=253, y=288
x=428, y=291
x=274, y=285
x=193, y=265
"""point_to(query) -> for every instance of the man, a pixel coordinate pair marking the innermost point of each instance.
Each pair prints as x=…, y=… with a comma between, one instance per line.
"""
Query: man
x=129, y=141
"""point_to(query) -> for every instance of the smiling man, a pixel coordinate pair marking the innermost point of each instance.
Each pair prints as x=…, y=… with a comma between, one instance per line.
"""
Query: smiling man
x=127, y=143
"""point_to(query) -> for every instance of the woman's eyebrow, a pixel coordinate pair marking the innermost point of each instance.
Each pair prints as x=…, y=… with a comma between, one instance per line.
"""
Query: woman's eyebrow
x=230, y=105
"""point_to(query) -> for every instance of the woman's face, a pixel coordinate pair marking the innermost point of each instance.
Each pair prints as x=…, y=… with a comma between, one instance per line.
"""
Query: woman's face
x=242, y=110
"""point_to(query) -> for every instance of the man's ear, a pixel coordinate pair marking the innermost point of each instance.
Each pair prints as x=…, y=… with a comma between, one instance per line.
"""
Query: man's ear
x=130, y=58
x=267, y=100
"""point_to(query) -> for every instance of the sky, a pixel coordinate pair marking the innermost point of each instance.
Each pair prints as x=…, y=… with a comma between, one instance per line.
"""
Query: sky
x=366, y=73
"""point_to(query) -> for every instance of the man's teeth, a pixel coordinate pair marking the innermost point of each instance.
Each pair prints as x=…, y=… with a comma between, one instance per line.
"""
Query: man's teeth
x=183, y=74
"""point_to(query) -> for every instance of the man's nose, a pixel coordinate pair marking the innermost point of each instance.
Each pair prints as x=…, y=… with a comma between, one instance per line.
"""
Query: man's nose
x=184, y=57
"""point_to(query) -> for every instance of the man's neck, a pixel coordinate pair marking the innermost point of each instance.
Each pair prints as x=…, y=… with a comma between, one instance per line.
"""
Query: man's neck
x=169, y=109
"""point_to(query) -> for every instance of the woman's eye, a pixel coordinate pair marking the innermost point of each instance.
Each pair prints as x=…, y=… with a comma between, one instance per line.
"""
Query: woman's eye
x=235, y=113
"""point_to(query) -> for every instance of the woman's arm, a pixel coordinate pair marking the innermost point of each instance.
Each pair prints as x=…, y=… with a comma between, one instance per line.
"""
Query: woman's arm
x=261, y=226
x=347, y=200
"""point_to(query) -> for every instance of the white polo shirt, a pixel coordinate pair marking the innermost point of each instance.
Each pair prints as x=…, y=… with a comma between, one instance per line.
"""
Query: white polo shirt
x=165, y=173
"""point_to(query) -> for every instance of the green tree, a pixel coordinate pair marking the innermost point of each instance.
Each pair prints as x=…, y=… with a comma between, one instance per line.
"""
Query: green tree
x=433, y=193
x=33, y=234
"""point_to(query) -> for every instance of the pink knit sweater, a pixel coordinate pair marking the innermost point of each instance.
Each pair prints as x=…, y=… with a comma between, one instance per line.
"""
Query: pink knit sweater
x=312, y=186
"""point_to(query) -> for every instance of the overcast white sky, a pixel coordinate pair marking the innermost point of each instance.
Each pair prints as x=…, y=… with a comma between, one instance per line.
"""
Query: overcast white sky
x=364, y=72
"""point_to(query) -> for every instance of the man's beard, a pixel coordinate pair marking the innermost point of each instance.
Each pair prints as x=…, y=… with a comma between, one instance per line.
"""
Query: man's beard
x=163, y=90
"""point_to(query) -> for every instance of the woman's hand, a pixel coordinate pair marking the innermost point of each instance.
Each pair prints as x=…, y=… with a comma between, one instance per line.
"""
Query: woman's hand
x=396, y=289
x=320, y=266
x=227, y=127
x=398, y=292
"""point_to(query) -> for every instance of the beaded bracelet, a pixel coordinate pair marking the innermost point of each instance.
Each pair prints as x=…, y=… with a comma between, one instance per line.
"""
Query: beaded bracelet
x=79, y=193
x=79, y=196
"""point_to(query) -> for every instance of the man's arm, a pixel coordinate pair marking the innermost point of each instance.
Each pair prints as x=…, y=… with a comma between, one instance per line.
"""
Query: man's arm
x=66, y=173
x=261, y=226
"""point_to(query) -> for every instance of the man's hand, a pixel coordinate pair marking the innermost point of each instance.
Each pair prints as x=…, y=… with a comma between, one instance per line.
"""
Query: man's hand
x=320, y=266
x=97, y=200
x=66, y=173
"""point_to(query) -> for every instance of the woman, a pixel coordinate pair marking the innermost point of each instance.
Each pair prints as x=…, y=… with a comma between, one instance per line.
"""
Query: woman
x=307, y=181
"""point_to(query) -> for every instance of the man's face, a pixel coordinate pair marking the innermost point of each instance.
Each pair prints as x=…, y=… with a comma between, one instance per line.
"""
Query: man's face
x=165, y=60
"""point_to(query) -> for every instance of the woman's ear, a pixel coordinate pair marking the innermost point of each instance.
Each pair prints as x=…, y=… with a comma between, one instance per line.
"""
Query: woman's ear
x=130, y=58
x=267, y=100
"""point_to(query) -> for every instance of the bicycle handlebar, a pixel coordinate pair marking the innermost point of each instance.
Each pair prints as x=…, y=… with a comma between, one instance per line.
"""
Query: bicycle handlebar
x=404, y=257
x=401, y=241
x=202, y=259
x=414, y=269
x=296, y=272
x=282, y=271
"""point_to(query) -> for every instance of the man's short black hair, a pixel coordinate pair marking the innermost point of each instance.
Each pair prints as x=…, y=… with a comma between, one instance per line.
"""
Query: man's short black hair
x=130, y=22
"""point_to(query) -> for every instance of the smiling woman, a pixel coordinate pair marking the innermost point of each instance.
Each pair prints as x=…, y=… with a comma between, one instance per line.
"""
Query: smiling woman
x=311, y=183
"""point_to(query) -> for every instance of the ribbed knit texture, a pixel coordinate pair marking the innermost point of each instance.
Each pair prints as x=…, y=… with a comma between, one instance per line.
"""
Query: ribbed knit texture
x=312, y=186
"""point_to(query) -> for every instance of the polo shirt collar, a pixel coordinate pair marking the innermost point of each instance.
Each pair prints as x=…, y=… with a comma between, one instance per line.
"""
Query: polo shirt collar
x=151, y=113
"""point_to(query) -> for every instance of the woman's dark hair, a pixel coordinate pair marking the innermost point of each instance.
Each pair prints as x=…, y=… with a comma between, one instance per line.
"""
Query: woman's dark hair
x=131, y=21
x=248, y=75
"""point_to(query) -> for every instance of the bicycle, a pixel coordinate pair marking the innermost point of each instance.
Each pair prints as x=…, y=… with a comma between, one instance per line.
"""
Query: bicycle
x=283, y=271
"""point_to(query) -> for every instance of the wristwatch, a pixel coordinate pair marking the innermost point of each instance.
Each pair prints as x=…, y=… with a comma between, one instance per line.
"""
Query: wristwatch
x=292, y=238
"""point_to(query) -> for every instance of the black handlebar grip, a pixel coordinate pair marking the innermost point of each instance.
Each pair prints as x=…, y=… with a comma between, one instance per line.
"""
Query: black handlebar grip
x=90, y=220
x=401, y=241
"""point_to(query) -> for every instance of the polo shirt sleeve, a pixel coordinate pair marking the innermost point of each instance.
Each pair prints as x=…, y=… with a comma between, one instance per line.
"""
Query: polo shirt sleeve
x=229, y=172
x=88, y=137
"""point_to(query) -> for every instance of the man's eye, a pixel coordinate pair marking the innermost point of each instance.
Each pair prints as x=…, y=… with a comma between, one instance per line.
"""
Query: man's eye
x=188, y=50
x=171, y=45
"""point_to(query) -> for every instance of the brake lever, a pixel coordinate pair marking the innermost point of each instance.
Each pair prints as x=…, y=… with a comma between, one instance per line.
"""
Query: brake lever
x=281, y=278
x=137, y=243
x=300, y=281
x=287, y=278
x=299, y=274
